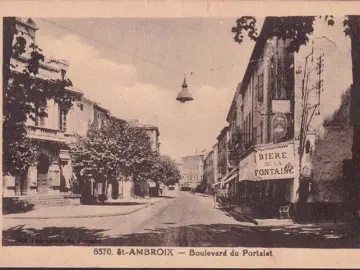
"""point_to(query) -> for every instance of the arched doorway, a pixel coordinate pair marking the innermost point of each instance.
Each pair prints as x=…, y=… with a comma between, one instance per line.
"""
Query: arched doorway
x=42, y=173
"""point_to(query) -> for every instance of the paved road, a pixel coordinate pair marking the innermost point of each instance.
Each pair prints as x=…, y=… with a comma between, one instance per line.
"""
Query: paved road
x=184, y=220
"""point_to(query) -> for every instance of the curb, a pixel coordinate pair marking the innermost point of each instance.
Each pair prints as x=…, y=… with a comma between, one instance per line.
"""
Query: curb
x=274, y=223
x=89, y=216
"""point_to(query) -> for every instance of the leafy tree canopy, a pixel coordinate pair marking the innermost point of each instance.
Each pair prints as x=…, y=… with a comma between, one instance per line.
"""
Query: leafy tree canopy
x=120, y=150
x=166, y=171
x=295, y=28
x=116, y=149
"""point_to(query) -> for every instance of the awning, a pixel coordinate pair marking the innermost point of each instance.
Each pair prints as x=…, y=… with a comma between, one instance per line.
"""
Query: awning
x=216, y=184
x=230, y=176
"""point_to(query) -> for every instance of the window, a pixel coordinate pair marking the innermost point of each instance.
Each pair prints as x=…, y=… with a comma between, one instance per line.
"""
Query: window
x=250, y=128
x=254, y=135
x=244, y=133
x=260, y=87
x=81, y=106
x=63, y=119
x=40, y=119
x=63, y=74
x=261, y=132
x=246, y=130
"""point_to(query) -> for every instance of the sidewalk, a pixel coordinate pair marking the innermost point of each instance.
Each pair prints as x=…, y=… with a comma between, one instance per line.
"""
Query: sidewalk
x=110, y=208
x=204, y=195
x=237, y=214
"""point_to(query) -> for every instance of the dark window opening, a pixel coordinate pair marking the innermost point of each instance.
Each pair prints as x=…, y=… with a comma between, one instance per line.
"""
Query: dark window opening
x=260, y=87
x=63, y=119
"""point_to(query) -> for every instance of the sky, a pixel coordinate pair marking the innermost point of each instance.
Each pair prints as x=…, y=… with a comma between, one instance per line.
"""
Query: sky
x=135, y=67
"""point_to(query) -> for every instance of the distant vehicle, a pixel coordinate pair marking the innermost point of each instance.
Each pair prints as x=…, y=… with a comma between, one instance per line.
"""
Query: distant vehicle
x=171, y=187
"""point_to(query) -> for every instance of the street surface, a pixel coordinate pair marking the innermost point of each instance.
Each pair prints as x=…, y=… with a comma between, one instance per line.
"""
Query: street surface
x=182, y=220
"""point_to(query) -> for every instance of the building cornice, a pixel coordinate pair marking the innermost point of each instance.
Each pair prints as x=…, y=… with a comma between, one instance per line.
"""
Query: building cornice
x=30, y=24
x=222, y=133
x=43, y=65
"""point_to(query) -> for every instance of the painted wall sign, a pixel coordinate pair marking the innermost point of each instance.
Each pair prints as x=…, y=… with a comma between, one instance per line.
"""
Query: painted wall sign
x=275, y=163
x=246, y=168
x=279, y=124
x=280, y=106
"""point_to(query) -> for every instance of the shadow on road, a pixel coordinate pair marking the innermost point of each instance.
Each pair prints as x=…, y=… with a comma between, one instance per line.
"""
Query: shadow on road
x=216, y=235
x=120, y=203
x=238, y=216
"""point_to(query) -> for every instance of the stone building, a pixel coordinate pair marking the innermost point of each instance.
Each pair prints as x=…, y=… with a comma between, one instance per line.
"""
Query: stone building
x=47, y=176
x=52, y=173
x=209, y=172
x=192, y=171
x=152, y=131
x=266, y=117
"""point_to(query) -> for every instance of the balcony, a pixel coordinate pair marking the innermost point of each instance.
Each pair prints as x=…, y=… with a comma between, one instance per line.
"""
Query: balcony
x=46, y=134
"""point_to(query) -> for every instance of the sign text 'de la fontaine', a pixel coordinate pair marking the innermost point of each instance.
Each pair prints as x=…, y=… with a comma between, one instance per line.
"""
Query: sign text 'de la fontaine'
x=275, y=163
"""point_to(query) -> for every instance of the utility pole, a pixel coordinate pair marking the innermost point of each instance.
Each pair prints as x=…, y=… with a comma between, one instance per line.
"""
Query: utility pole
x=309, y=109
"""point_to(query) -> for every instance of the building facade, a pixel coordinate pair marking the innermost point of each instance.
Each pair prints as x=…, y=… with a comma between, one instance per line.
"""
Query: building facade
x=192, y=171
x=223, y=165
x=54, y=130
x=152, y=131
x=276, y=129
x=217, y=177
x=209, y=172
x=49, y=174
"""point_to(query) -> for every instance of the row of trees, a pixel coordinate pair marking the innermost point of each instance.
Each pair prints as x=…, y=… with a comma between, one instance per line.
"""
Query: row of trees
x=120, y=150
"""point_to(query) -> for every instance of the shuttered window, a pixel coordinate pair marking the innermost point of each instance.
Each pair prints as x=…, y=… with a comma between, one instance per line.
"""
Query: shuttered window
x=63, y=119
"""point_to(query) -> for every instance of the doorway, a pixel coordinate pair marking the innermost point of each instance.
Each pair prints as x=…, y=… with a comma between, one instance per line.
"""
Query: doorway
x=42, y=174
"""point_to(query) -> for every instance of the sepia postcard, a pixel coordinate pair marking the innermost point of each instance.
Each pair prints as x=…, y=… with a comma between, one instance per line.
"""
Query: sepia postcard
x=180, y=134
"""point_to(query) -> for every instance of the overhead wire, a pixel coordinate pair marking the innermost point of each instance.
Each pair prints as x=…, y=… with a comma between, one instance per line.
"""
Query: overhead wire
x=164, y=67
x=146, y=60
x=113, y=47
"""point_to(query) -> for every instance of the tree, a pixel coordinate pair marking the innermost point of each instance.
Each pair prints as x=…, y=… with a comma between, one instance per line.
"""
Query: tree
x=23, y=93
x=117, y=149
x=297, y=30
x=165, y=170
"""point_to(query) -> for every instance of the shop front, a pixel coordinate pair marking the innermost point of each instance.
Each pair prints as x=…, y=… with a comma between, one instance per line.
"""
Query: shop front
x=266, y=175
x=229, y=183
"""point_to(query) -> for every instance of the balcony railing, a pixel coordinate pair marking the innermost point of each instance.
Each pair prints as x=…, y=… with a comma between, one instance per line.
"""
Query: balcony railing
x=47, y=134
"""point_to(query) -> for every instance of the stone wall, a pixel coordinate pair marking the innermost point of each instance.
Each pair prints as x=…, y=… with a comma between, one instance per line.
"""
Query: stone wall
x=330, y=151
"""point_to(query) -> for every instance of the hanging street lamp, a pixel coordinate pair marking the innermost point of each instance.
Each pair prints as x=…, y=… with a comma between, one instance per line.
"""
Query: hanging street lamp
x=184, y=94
